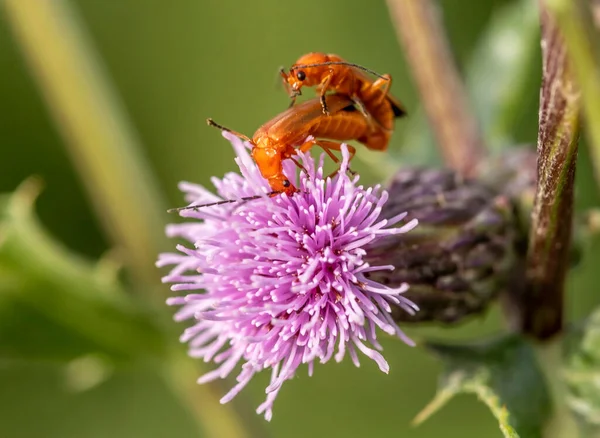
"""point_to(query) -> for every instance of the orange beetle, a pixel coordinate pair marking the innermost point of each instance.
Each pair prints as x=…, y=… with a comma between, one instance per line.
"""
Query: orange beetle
x=332, y=73
x=280, y=138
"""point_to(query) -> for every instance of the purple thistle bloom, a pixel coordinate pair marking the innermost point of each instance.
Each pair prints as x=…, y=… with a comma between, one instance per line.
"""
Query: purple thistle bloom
x=283, y=277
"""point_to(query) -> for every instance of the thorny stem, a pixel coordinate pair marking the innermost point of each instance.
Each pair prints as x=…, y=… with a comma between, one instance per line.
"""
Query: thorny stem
x=540, y=307
x=579, y=21
x=420, y=31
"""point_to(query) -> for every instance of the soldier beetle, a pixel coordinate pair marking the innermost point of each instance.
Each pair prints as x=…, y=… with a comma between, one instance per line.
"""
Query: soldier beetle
x=332, y=73
x=280, y=138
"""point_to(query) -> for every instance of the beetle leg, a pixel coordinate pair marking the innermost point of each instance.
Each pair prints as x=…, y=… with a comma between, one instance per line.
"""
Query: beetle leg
x=297, y=163
x=328, y=147
x=323, y=89
x=309, y=144
x=291, y=93
x=284, y=79
x=292, y=100
x=382, y=84
x=373, y=123
x=360, y=106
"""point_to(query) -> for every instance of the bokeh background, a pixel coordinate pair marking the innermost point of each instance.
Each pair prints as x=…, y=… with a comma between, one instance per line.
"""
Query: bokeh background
x=172, y=65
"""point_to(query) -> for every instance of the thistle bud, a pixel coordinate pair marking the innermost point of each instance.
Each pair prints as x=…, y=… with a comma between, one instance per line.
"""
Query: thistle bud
x=513, y=173
x=459, y=257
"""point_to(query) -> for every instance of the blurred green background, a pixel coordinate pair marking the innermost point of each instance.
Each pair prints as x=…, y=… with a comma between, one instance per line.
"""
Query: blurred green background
x=174, y=64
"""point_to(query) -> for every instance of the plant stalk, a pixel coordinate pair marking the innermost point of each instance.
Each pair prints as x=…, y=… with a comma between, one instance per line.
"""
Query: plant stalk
x=420, y=31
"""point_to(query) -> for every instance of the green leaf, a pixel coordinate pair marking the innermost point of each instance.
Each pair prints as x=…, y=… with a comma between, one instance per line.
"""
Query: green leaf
x=500, y=71
x=504, y=374
x=56, y=305
x=582, y=375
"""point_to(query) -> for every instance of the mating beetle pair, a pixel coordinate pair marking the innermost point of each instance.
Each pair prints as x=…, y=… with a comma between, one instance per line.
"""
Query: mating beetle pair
x=360, y=109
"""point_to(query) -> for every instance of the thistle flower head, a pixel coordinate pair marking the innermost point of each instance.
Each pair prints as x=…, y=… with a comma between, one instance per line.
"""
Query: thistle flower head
x=277, y=282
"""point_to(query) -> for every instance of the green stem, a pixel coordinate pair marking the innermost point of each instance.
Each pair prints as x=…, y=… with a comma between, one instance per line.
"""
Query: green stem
x=96, y=132
x=217, y=420
x=420, y=31
x=114, y=171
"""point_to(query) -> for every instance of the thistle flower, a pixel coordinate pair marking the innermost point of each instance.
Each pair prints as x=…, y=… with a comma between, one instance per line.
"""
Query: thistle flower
x=284, y=278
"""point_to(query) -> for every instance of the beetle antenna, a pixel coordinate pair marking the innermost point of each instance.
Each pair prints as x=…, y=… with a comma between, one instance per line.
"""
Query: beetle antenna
x=211, y=122
x=227, y=201
x=349, y=64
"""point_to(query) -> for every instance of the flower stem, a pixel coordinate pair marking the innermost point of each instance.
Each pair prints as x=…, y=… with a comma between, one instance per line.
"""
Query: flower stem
x=420, y=31
x=217, y=420
x=539, y=306
x=105, y=150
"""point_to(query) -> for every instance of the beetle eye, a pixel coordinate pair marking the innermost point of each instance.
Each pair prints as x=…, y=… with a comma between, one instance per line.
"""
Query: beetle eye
x=286, y=183
x=301, y=75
